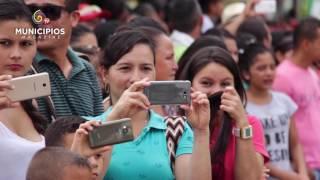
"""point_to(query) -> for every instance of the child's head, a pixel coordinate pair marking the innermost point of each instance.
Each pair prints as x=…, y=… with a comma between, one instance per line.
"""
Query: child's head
x=61, y=133
x=17, y=50
x=55, y=163
x=257, y=66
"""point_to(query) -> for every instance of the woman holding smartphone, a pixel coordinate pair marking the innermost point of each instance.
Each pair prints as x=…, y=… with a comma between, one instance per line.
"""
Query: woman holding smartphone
x=129, y=62
x=236, y=140
x=21, y=125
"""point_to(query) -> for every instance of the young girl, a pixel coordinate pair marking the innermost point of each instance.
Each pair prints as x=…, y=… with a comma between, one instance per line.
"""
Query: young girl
x=21, y=125
x=129, y=61
x=233, y=156
x=275, y=111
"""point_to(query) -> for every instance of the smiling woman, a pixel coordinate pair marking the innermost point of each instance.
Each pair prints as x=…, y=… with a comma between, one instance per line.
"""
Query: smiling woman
x=21, y=125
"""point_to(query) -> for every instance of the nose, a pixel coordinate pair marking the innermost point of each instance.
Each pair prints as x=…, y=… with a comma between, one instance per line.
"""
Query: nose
x=175, y=65
x=137, y=75
x=93, y=162
x=216, y=88
x=15, y=53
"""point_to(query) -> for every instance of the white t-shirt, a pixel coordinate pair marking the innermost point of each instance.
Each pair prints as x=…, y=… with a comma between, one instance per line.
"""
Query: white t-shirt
x=15, y=154
x=275, y=118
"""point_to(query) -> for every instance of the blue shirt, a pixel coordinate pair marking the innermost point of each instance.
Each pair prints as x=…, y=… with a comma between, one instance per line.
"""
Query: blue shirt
x=147, y=156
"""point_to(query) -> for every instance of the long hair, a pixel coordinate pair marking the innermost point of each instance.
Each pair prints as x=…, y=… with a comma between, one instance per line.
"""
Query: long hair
x=196, y=63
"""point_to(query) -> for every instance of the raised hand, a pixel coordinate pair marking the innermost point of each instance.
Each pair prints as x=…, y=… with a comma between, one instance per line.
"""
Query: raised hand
x=198, y=113
x=231, y=103
x=131, y=101
x=80, y=142
x=5, y=86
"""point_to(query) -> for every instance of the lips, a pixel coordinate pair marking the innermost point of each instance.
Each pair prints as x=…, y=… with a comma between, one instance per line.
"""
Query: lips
x=15, y=67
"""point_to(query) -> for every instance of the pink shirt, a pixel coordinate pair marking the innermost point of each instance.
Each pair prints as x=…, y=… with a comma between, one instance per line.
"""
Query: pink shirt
x=258, y=143
x=303, y=86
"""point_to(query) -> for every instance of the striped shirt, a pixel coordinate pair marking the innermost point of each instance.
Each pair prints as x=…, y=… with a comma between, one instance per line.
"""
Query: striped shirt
x=79, y=94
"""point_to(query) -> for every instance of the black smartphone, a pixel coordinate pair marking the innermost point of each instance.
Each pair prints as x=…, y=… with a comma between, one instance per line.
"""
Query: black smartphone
x=112, y=132
x=168, y=92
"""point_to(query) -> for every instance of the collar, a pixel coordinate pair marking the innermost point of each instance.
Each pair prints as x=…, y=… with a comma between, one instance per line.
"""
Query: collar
x=76, y=61
x=155, y=120
x=179, y=37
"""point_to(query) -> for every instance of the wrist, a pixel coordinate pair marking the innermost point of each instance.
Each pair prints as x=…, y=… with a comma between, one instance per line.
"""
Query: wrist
x=201, y=132
x=241, y=123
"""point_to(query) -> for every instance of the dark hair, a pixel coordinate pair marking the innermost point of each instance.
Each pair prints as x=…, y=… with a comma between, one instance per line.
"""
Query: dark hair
x=72, y=5
x=248, y=57
x=79, y=31
x=256, y=27
x=183, y=15
x=220, y=32
x=49, y=163
x=54, y=135
x=197, y=62
x=104, y=30
x=143, y=22
x=115, y=7
x=145, y=9
x=15, y=10
x=306, y=30
x=206, y=3
x=198, y=44
x=122, y=43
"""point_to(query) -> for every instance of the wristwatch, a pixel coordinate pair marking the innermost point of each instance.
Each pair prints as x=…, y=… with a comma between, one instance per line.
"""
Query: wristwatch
x=243, y=133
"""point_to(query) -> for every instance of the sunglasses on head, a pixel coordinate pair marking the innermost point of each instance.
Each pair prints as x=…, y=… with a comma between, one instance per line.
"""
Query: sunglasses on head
x=53, y=12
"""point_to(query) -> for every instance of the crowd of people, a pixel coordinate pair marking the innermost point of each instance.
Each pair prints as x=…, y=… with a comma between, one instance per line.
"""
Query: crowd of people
x=255, y=91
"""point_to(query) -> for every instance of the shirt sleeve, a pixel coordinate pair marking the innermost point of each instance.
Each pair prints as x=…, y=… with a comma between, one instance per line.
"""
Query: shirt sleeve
x=186, y=141
x=258, y=137
x=291, y=105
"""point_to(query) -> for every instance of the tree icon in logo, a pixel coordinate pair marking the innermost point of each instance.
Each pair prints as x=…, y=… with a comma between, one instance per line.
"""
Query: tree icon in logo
x=39, y=17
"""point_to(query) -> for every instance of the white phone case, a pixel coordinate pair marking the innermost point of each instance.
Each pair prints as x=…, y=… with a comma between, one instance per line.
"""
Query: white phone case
x=266, y=7
x=29, y=87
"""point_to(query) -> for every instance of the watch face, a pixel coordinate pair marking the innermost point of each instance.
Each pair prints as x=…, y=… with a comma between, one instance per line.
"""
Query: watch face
x=248, y=132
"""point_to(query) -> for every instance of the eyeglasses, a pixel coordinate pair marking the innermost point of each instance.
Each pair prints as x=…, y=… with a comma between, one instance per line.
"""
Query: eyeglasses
x=53, y=12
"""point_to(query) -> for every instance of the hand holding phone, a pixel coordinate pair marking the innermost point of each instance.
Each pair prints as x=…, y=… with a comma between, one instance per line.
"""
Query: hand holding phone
x=5, y=86
x=29, y=87
x=80, y=142
x=111, y=132
x=168, y=92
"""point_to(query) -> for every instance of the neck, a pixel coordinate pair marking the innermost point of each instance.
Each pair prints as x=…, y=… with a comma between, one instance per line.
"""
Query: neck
x=259, y=96
x=301, y=59
x=195, y=33
x=59, y=56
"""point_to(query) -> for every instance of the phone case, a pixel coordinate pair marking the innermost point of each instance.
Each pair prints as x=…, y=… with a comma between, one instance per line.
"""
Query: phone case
x=29, y=87
x=113, y=132
x=266, y=7
x=168, y=92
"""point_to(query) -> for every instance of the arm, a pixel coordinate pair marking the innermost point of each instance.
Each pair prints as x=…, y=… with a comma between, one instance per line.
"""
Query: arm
x=282, y=174
x=198, y=164
x=296, y=151
x=234, y=25
x=248, y=163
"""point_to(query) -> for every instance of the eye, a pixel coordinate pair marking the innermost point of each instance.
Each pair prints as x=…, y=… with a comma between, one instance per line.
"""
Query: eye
x=26, y=43
x=5, y=43
x=225, y=84
x=206, y=83
x=97, y=156
x=124, y=68
x=147, y=68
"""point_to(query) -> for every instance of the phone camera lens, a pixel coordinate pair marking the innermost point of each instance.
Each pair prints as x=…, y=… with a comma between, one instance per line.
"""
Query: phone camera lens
x=44, y=84
x=125, y=130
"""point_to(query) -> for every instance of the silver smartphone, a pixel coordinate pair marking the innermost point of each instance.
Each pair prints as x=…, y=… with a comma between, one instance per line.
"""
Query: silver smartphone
x=112, y=132
x=266, y=7
x=29, y=87
x=168, y=92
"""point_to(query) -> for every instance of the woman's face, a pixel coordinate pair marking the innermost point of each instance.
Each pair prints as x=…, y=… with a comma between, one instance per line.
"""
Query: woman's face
x=262, y=71
x=16, y=51
x=133, y=66
x=97, y=162
x=212, y=78
x=166, y=66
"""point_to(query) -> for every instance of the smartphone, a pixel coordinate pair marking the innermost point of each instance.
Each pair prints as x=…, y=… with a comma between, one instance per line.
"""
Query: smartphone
x=29, y=87
x=112, y=132
x=266, y=7
x=168, y=92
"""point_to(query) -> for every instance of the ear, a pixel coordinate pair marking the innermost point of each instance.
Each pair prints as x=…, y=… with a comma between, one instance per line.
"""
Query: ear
x=246, y=75
x=75, y=17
